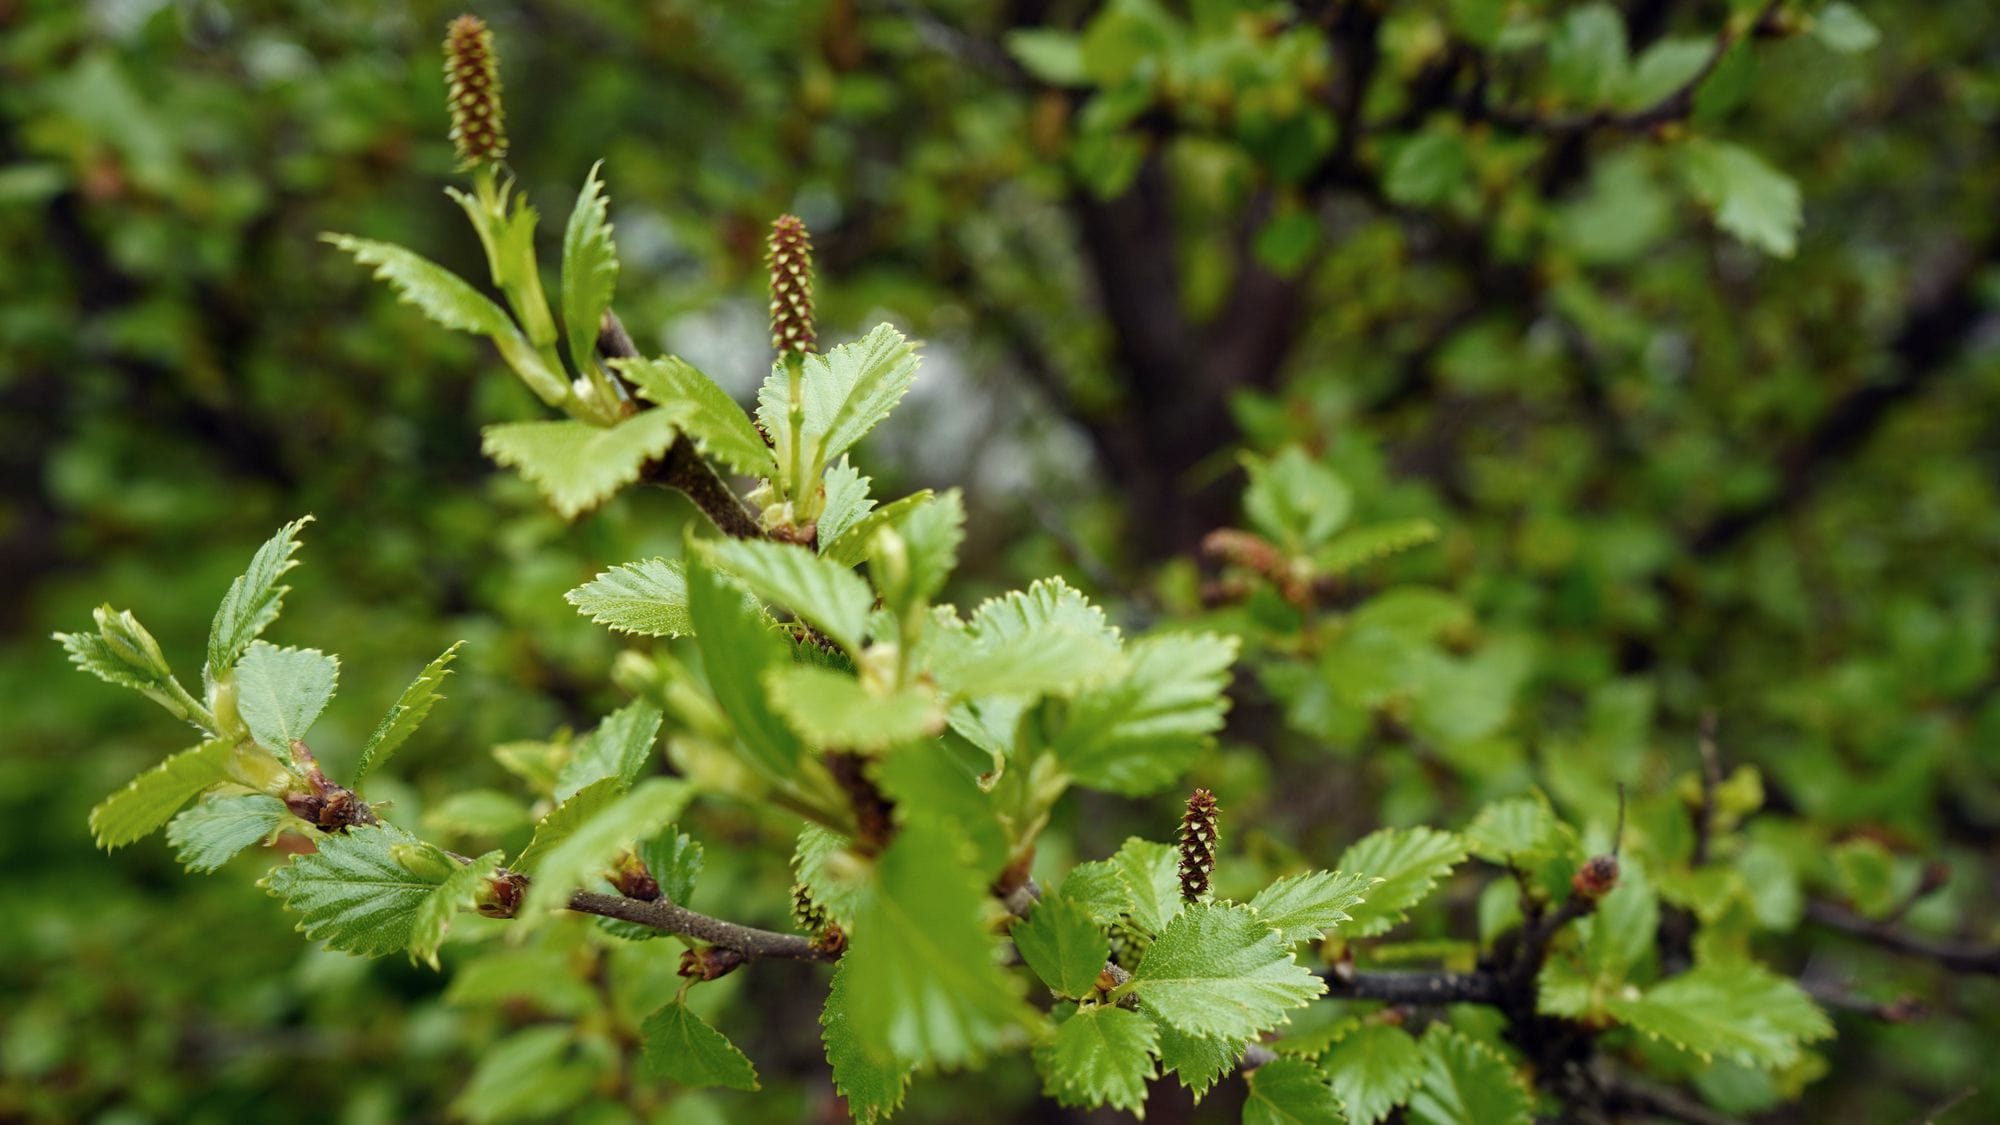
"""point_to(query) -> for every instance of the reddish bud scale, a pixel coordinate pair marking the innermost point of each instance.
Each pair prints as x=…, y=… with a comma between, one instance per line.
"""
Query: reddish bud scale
x=790, y=259
x=1198, y=837
x=1596, y=877
x=472, y=76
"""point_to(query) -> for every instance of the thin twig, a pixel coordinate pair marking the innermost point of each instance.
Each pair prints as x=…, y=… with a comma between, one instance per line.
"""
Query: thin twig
x=665, y=916
x=1959, y=957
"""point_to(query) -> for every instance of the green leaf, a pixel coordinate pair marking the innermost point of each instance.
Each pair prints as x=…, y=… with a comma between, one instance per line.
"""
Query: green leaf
x=936, y=782
x=1288, y=1091
x=576, y=465
x=1521, y=831
x=737, y=646
x=1621, y=931
x=675, y=860
x=151, y=799
x=124, y=654
x=562, y=821
x=354, y=893
x=253, y=601
x=719, y=427
x=931, y=534
x=833, y=710
x=833, y=598
x=1294, y=500
x=1587, y=54
x=1374, y=1069
x=281, y=691
x=1198, y=1062
x=1218, y=970
x=1054, y=57
x=1465, y=1080
x=589, y=270
x=210, y=834
x=408, y=714
x=873, y=1088
x=1356, y=547
x=847, y=503
x=1740, y=1011
x=1064, y=947
x=1428, y=169
x=837, y=879
x=534, y=1074
x=1149, y=883
x=850, y=546
x=1045, y=640
x=1843, y=28
x=619, y=748
x=459, y=891
x=1666, y=67
x=477, y=812
x=1101, y=1055
x=595, y=843
x=1140, y=733
x=850, y=389
x=1409, y=861
x=1750, y=199
x=542, y=978
x=437, y=292
x=922, y=955
x=684, y=1050
x=1304, y=907
x=647, y=598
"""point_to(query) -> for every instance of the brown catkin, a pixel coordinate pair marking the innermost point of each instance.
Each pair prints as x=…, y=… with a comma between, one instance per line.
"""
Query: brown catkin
x=1198, y=836
x=472, y=76
x=790, y=259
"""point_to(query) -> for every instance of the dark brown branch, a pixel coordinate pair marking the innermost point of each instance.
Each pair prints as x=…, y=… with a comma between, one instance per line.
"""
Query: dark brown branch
x=681, y=467
x=1959, y=957
x=666, y=917
x=1626, y=1092
x=1416, y=987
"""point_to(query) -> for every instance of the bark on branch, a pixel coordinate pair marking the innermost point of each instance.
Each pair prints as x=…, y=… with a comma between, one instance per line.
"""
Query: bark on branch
x=663, y=915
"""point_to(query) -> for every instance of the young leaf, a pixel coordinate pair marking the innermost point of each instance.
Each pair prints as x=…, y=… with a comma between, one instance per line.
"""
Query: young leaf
x=873, y=1088
x=1357, y=546
x=931, y=533
x=1409, y=861
x=1465, y=1080
x=675, y=861
x=922, y=955
x=850, y=546
x=833, y=598
x=1427, y=170
x=1101, y=1055
x=1587, y=54
x=1751, y=200
x=576, y=465
x=1045, y=640
x=737, y=645
x=210, y=834
x=718, y=426
x=281, y=691
x=589, y=270
x=1295, y=500
x=1064, y=947
x=1217, y=969
x=1843, y=28
x=851, y=388
x=408, y=714
x=534, y=1074
x=1304, y=907
x=253, y=600
x=837, y=880
x=595, y=843
x=1374, y=1069
x=562, y=821
x=354, y=893
x=1148, y=877
x=1197, y=1061
x=684, y=1050
x=618, y=749
x=847, y=503
x=124, y=654
x=478, y=812
x=831, y=709
x=1522, y=831
x=647, y=598
x=1740, y=1011
x=1141, y=732
x=459, y=891
x=437, y=292
x=152, y=798
x=1290, y=1092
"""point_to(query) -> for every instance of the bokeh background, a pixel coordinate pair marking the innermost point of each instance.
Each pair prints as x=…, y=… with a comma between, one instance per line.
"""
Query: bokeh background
x=1673, y=471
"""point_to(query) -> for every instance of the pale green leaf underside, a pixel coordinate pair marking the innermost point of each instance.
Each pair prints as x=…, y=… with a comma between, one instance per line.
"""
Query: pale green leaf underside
x=719, y=427
x=281, y=691
x=575, y=465
x=1148, y=877
x=647, y=598
x=849, y=546
x=850, y=389
x=832, y=710
x=682, y=1049
x=560, y=822
x=437, y=292
x=408, y=713
x=1102, y=1055
x=151, y=799
x=847, y=503
x=210, y=834
x=1218, y=970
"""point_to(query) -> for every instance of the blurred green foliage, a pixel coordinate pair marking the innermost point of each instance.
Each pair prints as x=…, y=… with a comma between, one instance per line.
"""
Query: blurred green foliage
x=1671, y=471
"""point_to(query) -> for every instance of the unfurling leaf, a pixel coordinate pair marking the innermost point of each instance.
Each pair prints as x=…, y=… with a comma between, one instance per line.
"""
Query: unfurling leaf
x=409, y=712
x=576, y=465
x=589, y=270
